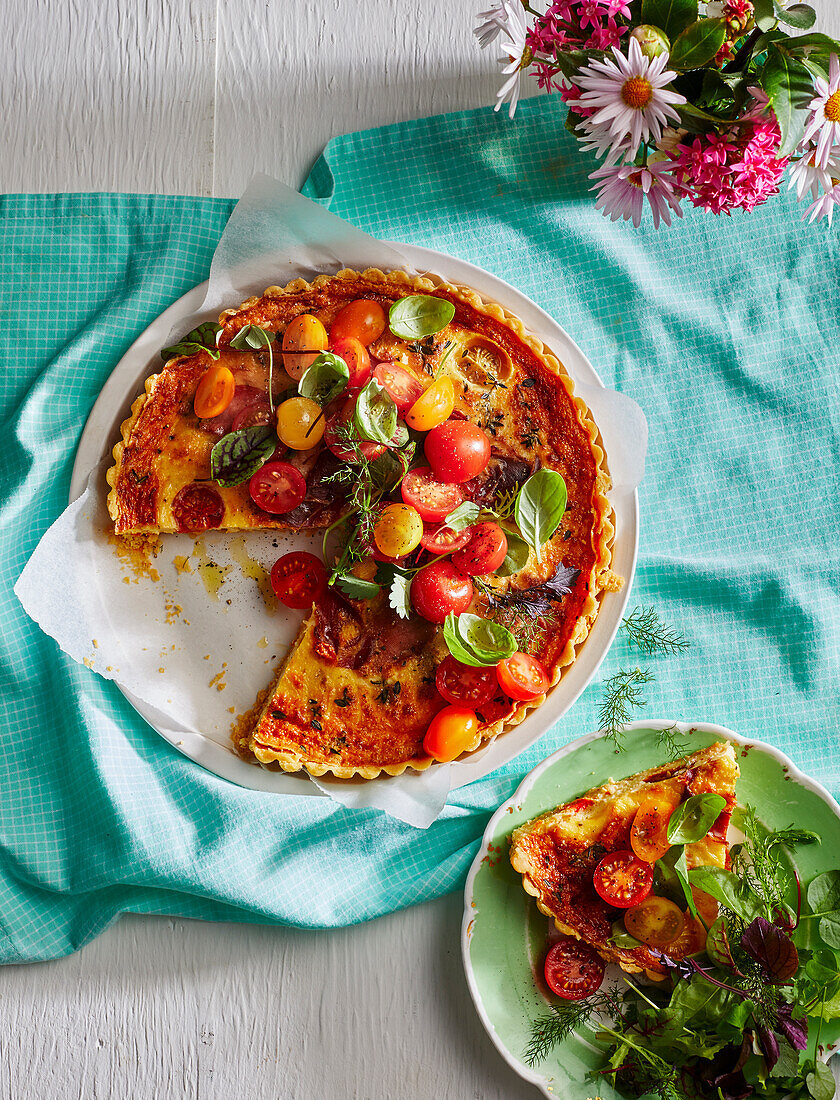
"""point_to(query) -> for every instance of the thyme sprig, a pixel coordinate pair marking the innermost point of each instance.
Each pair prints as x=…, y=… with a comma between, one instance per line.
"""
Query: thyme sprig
x=622, y=697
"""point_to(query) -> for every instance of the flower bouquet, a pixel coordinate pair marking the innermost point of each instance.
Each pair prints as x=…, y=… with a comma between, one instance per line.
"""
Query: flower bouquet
x=684, y=101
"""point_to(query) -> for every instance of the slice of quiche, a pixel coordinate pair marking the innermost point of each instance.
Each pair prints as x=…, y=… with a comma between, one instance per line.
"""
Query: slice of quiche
x=557, y=853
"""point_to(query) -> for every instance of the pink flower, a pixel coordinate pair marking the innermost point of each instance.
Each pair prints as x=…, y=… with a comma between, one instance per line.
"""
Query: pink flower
x=578, y=24
x=605, y=37
x=570, y=93
x=823, y=207
x=546, y=75
x=623, y=189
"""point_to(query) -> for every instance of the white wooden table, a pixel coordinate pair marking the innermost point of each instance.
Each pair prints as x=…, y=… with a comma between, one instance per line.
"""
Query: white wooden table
x=193, y=97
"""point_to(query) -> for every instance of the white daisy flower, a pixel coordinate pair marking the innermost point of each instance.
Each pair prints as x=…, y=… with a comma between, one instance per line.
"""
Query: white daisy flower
x=823, y=207
x=623, y=189
x=491, y=25
x=826, y=118
x=599, y=140
x=514, y=51
x=806, y=175
x=629, y=94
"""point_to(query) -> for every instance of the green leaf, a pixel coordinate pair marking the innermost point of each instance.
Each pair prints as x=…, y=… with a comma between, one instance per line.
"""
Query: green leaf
x=815, y=43
x=820, y=1082
x=697, y=44
x=670, y=878
x=539, y=507
x=419, y=315
x=671, y=16
x=252, y=337
x=790, y=88
x=787, y=1064
x=823, y=896
x=375, y=415
x=476, y=641
x=462, y=517
x=356, y=588
x=764, y=14
x=801, y=16
x=238, y=455
x=518, y=553
x=692, y=819
x=621, y=937
x=399, y=594
x=202, y=338
x=728, y=889
x=324, y=379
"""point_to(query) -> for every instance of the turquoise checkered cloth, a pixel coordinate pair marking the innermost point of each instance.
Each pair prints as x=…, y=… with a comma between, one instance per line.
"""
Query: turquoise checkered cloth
x=725, y=330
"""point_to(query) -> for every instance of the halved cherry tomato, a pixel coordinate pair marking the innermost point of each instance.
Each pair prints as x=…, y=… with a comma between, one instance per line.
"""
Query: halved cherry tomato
x=573, y=970
x=197, y=508
x=398, y=530
x=298, y=578
x=485, y=551
x=403, y=388
x=355, y=355
x=433, y=406
x=655, y=921
x=440, y=588
x=433, y=499
x=707, y=906
x=522, y=676
x=215, y=391
x=450, y=732
x=690, y=941
x=256, y=415
x=303, y=341
x=464, y=685
x=277, y=487
x=300, y=423
x=244, y=397
x=442, y=539
x=349, y=450
x=649, y=831
x=622, y=880
x=457, y=450
x=362, y=319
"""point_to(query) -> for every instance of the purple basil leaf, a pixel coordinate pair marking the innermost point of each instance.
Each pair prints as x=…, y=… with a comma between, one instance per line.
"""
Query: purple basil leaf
x=769, y=1045
x=795, y=1031
x=771, y=948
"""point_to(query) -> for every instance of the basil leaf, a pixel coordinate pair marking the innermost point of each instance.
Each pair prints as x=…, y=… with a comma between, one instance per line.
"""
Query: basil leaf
x=356, y=588
x=539, y=507
x=238, y=455
x=475, y=641
x=252, y=337
x=419, y=315
x=693, y=818
x=622, y=938
x=518, y=552
x=462, y=517
x=375, y=416
x=400, y=436
x=824, y=901
x=324, y=379
x=202, y=338
x=728, y=889
x=670, y=877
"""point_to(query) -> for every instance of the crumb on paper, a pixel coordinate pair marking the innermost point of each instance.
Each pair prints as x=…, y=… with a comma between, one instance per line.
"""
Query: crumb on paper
x=95, y=643
x=206, y=656
x=87, y=662
x=161, y=670
x=135, y=553
x=218, y=680
x=182, y=563
x=263, y=642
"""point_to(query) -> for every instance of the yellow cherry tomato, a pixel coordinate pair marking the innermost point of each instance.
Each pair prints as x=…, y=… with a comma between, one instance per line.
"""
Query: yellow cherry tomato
x=303, y=341
x=433, y=406
x=215, y=392
x=655, y=921
x=398, y=530
x=300, y=423
x=450, y=732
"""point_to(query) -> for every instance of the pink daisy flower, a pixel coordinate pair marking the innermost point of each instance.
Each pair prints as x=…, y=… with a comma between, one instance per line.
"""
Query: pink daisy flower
x=624, y=189
x=824, y=124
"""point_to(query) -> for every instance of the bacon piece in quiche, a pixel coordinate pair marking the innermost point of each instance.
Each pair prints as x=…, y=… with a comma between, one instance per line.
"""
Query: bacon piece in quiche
x=557, y=853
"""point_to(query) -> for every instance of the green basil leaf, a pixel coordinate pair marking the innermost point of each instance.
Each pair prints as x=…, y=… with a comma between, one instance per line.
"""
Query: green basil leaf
x=475, y=641
x=823, y=896
x=622, y=938
x=518, y=553
x=801, y=16
x=462, y=517
x=238, y=455
x=375, y=416
x=252, y=337
x=692, y=819
x=697, y=44
x=419, y=315
x=202, y=338
x=728, y=889
x=356, y=588
x=670, y=16
x=539, y=507
x=790, y=88
x=324, y=379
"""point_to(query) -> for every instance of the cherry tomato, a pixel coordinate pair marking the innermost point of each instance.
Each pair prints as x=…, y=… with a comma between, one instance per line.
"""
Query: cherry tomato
x=362, y=318
x=398, y=530
x=440, y=588
x=464, y=685
x=707, y=906
x=655, y=921
x=432, y=498
x=485, y=551
x=573, y=969
x=277, y=487
x=403, y=388
x=442, y=539
x=298, y=579
x=522, y=676
x=304, y=339
x=622, y=880
x=355, y=355
x=197, y=508
x=300, y=423
x=346, y=449
x=457, y=450
x=433, y=406
x=256, y=415
x=690, y=941
x=215, y=392
x=450, y=732
x=649, y=831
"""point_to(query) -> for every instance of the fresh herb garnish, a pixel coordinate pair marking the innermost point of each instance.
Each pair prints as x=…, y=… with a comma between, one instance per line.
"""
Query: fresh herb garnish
x=475, y=641
x=692, y=819
x=356, y=588
x=419, y=315
x=325, y=379
x=253, y=337
x=518, y=553
x=375, y=415
x=537, y=598
x=539, y=508
x=622, y=697
x=462, y=517
x=202, y=338
x=238, y=455
x=647, y=632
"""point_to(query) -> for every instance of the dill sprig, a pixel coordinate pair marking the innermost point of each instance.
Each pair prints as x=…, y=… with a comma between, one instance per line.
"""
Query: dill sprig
x=623, y=696
x=758, y=862
x=558, y=1024
x=647, y=632
x=672, y=742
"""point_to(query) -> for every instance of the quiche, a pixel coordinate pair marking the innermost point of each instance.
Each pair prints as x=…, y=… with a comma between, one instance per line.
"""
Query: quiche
x=357, y=690
x=557, y=853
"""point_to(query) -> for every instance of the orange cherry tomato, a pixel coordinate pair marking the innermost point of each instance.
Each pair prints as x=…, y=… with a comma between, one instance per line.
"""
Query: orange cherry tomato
x=303, y=341
x=362, y=318
x=450, y=732
x=655, y=921
x=649, y=831
x=707, y=906
x=215, y=392
x=433, y=406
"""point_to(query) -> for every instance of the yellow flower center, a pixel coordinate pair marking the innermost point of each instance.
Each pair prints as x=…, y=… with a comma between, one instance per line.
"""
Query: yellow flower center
x=832, y=107
x=637, y=92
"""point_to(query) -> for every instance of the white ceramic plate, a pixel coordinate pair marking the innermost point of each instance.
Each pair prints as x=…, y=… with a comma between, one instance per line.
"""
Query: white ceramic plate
x=126, y=381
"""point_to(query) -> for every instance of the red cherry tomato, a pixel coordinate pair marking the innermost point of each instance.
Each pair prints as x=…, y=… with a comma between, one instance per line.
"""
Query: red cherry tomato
x=440, y=588
x=362, y=319
x=450, y=732
x=457, y=450
x=433, y=499
x=403, y=388
x=197, y=508
x=485, y=551
x=252, y=416
x=522, y=676
x=573, y=970
x=442, y=539
x=298, y=579
x=623, y=880
x=341, y=447
x=355, y=355
x=464, y=685
x=277, y=487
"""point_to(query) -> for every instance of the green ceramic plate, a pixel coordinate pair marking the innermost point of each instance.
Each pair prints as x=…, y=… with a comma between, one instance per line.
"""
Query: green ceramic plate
x=504, y=934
